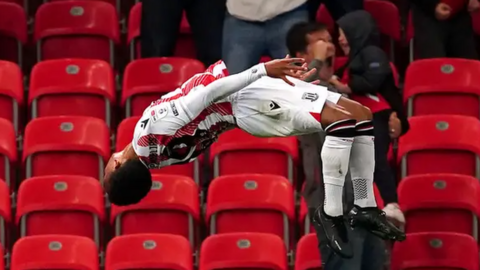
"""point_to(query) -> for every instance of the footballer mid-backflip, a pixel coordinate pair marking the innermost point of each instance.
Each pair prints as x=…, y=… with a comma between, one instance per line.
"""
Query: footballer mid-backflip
x=267, y=100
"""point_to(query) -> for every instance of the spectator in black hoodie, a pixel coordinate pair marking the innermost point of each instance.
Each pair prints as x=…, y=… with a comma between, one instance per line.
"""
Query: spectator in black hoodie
x=369, y=80
x=443, y=28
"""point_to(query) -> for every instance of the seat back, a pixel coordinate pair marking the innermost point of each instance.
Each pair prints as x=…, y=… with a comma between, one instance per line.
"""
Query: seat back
x=431, y=201
x=11, y=92
x=74, y=145
x=440, y=144
x=61, y=204
x=250, y=203
x=72, y=87
x=256, y=155
x=8, y=152
x=433, y=85
x=82, y=29
x=5, y=216
x=172, y=207
x=54, y=252
x=13, y=28
x=146, y=80
x=307, y=255
x=436, y=250
x=149, y=251
x=241, y=251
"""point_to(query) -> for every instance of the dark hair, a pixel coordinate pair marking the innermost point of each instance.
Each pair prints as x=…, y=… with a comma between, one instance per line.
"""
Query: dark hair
x=297, y=36
x=129, y=184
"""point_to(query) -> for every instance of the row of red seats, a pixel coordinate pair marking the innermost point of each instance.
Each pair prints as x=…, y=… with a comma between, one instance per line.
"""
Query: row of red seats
x=90, y=29
x=87, y=87
x=56, y=145
x=74, y=205
x=233, y=251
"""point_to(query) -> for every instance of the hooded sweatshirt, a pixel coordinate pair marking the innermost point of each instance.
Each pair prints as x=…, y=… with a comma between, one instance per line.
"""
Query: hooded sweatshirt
x=368, y=70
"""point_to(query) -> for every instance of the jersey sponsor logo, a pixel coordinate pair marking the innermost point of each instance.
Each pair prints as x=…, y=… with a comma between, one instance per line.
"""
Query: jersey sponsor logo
x=174, y=108
x=157, y=114
x=273, y=105
x=310, y=96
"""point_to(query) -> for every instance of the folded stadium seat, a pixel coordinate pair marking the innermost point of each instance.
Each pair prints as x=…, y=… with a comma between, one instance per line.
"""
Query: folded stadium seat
x=8, y=153
x=436, y=250
x=61, y=204
x=5, y=216
x=443, y=86
x=243, y=251
x=251, y=203
x=306, y=226
x=73, y=145
x=124, y=137
x=81, y=29
x=431, y=201
x=440, y=144
x=238, y=152
x=184, y=47
x=476, y=22
x=323, y=16
x=72, y=87
x=54, y=252
x=13, y=28
x=387, y=17
x=146, y=80
x=172, y=206
x=2, y=260
x=307, y=256
x=149, y=251
x=11, y=92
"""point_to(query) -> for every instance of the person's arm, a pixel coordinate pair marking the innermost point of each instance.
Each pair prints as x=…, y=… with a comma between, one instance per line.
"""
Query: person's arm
x=427, y=6
x=376, y=69
x=315, y=64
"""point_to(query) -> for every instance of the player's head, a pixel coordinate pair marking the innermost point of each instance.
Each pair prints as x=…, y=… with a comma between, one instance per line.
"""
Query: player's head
x=127, y=180
x=301, y=35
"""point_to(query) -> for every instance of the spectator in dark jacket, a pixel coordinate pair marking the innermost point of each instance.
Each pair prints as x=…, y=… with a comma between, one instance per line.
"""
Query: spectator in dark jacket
x=368, y=79
x=443, y=28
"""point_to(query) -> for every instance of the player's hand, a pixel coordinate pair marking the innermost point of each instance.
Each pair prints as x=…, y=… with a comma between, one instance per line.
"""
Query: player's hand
x=281, y=68
x=394, y=125
x=322, y=50
x=443, y=11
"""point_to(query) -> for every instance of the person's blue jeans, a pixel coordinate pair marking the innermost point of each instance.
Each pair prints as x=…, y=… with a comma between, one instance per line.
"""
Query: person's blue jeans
x=244, y=42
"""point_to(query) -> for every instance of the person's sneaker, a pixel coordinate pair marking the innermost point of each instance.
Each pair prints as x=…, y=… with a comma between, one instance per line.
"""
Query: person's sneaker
x=375, y=221
x=395, y=215
x=336, y=232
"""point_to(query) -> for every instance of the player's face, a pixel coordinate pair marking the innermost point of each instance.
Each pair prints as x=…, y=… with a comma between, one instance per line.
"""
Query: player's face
x=314, y=37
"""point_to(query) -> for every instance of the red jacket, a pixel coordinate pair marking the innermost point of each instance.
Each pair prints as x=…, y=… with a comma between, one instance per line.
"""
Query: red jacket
x=375, y=102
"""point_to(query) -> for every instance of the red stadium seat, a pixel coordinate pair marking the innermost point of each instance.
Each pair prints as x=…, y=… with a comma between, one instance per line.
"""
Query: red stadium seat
x=149, y=251
x=61, y=204
x=112, y=2
x=243, y=251
x=81, y=29
x=443, y=86
x=13, y=29
x=250, y=203
x=238, y=152
x=440, y=144
x=66, y=145
x=72, y=87
x=11, y=92
x=8, y=152
x=387, y=17
x=172, y=206
x=124, y=137
x=146, y=80
x=184, y=46
x=431, y=201
x=307, y=255
x=323, y=16
x=54, y=252
x=2, y=260
x=436, y=250
x=5, y=215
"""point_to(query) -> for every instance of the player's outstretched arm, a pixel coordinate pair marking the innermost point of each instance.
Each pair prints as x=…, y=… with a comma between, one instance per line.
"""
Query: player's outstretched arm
x=201, y=98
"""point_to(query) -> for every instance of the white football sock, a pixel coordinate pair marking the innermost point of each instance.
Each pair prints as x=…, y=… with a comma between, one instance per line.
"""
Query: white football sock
x=362, y=165
x=335, y=158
